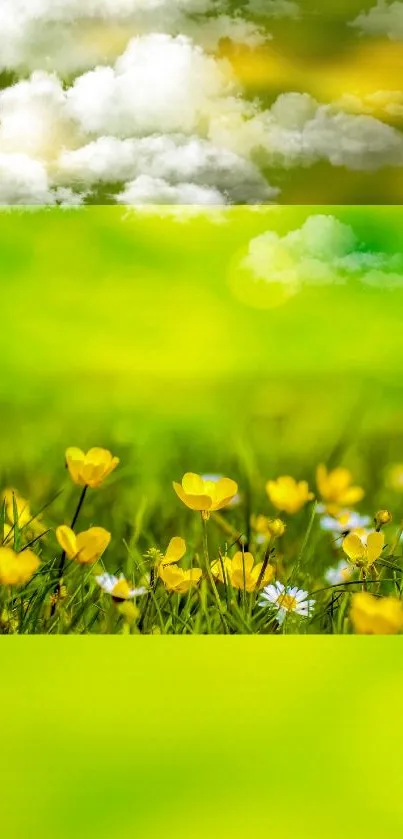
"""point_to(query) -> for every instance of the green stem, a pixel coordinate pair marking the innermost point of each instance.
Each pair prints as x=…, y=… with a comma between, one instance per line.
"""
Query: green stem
x=62, y=559
x=209, y=574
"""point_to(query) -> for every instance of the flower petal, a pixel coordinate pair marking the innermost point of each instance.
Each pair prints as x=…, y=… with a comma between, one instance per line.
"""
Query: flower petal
x=353, y=547
x=375, y=543
x=193, y=484
x=67, y=540
x=175, y=550
x=194, y=502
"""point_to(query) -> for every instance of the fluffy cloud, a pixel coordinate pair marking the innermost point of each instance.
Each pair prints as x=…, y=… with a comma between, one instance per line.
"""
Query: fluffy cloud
x=298, y=131
x=148, y=190
x=70, y=36
x=145, y=116
x=171, y=159
x=159, y=84
x=25, y=181
x=323, y=251
x=382, y=19
x=168, y=110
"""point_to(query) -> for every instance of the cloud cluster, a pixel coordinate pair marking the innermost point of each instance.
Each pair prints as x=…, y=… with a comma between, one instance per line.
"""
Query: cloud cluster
x=321, y=252
x=298, y=131
x=159, y=117
x=383, y=19
x=147, y=115
x=70, y=36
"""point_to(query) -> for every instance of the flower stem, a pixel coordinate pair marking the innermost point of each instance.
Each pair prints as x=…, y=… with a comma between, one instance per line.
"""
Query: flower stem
x=62, y=559
x=209, y=574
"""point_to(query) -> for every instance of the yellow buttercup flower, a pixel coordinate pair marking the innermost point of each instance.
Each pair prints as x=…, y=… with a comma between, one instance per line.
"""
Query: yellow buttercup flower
x=288, y=495
x=23, y=513
x=175, y=551
x=335, y=487
x=266, y=528
x=363, y=550
x=179, y=580
x=376, y=615
x=17, y=568
x=85, y=547
x=11, y=497
x=241, y=571
x=206, y=496
x=90, y=469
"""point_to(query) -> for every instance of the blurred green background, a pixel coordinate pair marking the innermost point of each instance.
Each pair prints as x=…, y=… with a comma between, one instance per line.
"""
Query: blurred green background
x=131, y=330
x=205, y=737
x=128, y=327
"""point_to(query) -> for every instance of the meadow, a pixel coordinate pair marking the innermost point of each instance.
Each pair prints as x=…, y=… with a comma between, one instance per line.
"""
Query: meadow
x=140, y=334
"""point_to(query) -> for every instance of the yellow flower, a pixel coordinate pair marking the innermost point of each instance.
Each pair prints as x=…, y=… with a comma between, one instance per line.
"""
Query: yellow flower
x=335, y=487
x=17, y=568
x=175, y=551
x=24, y=515
x=11, y=496
x=206, y=496
x=267, y=528
x=86, y=547
x=382, y=518
x=241, y=571
x=180, y=581
x=90, y=469
x=376, y=616
x=363, y=550
x=288, y=495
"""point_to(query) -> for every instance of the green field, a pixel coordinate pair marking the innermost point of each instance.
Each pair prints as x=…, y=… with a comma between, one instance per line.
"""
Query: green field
x=143, y=334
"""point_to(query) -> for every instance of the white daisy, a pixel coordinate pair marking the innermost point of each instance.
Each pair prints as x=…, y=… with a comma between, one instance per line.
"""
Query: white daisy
x=340, y=574
x=286, y=600
x=118, y=587
x=345, y=522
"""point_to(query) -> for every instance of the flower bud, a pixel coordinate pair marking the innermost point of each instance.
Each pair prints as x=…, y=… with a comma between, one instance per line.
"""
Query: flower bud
x=382, y=518
x=276, y=528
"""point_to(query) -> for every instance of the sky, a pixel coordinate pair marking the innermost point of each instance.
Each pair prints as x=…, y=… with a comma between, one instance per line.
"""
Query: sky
x=201, y=102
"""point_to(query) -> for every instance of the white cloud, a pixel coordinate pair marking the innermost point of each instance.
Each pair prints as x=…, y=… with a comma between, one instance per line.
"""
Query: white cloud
x=298, y=131
x=169, y=110
x=382, y=19
x=70, y=36
x=148, y=190
x=25, y=181
x=175, y=159
x=159, y=84
x=32, y=117
x=208, y=33
x=321, y=252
